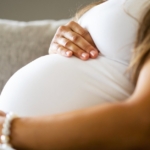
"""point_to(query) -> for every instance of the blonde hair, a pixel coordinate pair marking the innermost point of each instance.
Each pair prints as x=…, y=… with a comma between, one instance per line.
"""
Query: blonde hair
x=85, y=9
x=141, y=51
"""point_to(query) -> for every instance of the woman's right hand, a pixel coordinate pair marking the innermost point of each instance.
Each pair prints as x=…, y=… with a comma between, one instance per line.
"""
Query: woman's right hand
x=72, y=39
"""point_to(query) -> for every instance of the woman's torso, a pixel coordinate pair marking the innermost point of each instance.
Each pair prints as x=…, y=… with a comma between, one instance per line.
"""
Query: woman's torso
x=54, y=84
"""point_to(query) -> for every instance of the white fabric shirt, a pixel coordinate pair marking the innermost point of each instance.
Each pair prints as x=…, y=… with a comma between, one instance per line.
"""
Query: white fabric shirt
x=113, y=29
x=54, y=84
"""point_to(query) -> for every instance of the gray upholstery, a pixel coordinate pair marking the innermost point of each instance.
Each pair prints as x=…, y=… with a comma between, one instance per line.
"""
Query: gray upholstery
x=22, y=42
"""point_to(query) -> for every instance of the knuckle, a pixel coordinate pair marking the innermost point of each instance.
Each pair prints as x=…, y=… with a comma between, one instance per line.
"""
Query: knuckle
x=56, y=46
x=67, y=43
x=61, y=28
x=59, y=49
x=56, y=38
x=84, y=33
x=52, y=48
x=52, y=44
x=70, y=23
x=75, y=38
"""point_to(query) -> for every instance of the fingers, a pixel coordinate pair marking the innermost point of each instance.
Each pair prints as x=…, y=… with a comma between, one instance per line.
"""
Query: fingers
x=82, y=44
x=78, y=52
x=84, y=33
x=59, y=49
x=72, y=50
x=72, y=39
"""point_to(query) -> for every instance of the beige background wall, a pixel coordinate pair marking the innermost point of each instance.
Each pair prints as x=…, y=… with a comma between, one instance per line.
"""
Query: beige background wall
x=27, y=10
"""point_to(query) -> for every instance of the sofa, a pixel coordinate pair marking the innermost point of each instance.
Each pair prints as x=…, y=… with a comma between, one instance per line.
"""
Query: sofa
x=22, y=42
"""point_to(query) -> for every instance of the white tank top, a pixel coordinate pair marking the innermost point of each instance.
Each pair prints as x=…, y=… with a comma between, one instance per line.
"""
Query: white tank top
x=54, y=84
x=112, y=27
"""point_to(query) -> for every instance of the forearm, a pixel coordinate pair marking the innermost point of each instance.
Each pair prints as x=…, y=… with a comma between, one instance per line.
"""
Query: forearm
x=110, y=126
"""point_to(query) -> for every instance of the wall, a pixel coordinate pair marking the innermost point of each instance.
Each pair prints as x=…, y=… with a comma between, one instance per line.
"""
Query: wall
x=27, y=10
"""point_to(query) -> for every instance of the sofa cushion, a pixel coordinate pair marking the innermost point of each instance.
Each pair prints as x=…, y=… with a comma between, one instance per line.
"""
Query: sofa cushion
x=22, y=42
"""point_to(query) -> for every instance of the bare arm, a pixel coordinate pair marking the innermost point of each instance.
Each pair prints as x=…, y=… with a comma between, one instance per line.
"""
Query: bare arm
x=123, y=125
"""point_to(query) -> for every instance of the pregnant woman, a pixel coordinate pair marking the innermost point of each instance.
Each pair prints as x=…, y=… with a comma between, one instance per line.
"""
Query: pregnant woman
x=60, y=101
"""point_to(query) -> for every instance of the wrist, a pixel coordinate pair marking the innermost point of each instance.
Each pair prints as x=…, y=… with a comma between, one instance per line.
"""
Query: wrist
x=6, y=131
x=21, y=133
x=14, y=137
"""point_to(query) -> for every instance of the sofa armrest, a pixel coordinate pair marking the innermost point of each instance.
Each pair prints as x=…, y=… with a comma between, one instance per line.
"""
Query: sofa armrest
x=22, y=42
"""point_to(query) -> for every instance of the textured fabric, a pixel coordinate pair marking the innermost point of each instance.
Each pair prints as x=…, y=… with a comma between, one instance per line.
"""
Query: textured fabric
x=54, y=84
x=22, y=42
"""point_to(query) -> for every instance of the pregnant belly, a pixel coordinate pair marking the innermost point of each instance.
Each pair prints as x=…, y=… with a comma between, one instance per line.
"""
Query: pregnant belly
x=54, y=84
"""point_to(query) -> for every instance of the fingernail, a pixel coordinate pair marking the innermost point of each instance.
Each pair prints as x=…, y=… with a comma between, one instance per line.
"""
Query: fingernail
x=84, y=55
x=93, y=53
x=68, y=53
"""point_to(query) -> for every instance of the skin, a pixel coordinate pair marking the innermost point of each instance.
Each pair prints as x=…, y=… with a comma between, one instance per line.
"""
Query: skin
x=121, y=125
x=72, y=39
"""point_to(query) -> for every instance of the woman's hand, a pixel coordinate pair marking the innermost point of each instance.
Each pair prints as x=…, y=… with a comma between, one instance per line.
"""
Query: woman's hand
x=72, y=39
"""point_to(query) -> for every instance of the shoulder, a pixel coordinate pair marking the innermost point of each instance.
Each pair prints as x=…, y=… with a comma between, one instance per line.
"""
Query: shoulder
x=144, y=78
x=142, y=90
x=136, y=8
